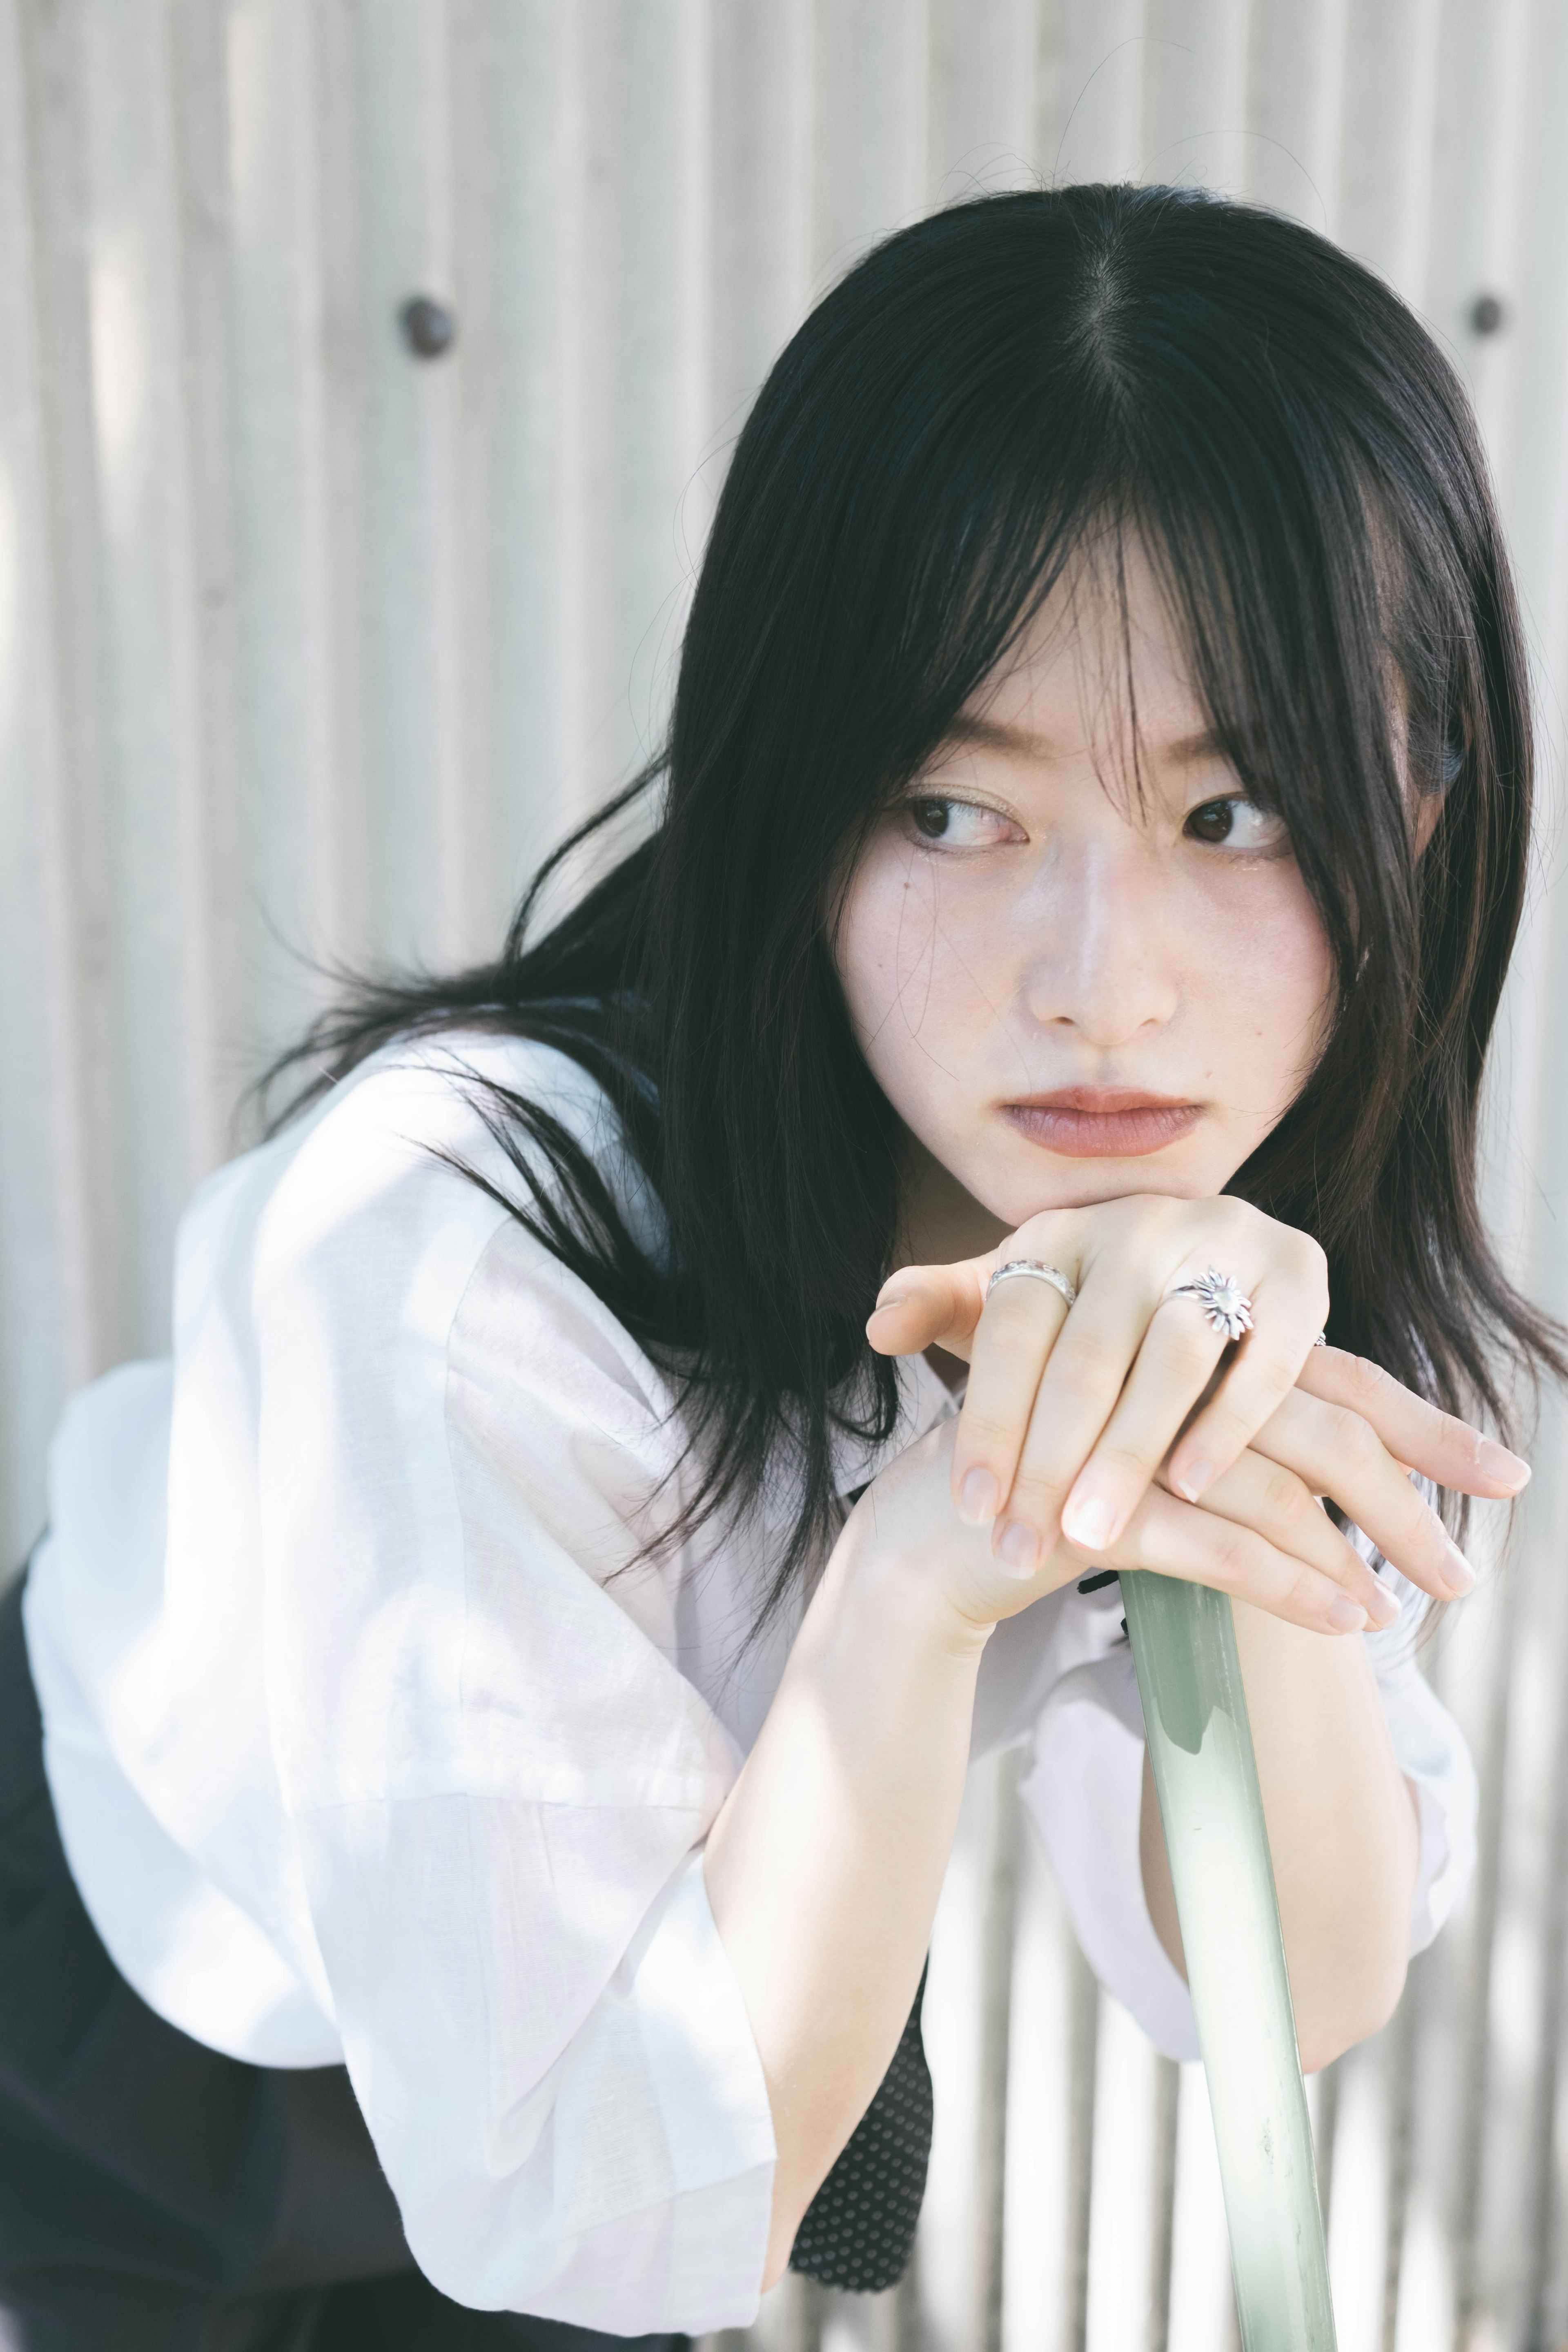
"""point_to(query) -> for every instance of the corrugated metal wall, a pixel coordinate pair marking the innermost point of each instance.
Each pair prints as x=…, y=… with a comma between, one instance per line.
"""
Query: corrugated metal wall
x=308, y=645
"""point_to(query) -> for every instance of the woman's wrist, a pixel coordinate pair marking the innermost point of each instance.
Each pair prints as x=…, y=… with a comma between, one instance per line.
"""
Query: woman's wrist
x=883, y=1586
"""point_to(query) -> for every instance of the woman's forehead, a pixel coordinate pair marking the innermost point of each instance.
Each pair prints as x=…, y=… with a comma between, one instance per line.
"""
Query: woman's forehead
x=1102, y=661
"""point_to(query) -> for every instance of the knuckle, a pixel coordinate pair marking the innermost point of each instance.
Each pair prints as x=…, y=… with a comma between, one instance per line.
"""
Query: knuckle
x=1285, y=1498
x=1184, y=1358
x=1034, y=1238
x=1013, y=1311
x=1033, y=1498
x=1093, y=1360
x=1233, y=1556
x=1247, y=1222
x=1311, y=1598
x=1009, y=1368
x=1422, y=1528
x=1355, y=1442
x=1308, y=1256
x=1272, y=1375
x=1123, y=1460
x=1367, y=1381
x=1226, y=1429
x=987, y=1434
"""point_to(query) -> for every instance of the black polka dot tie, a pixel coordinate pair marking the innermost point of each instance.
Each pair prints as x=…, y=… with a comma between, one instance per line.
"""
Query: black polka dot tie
x=859, y=2228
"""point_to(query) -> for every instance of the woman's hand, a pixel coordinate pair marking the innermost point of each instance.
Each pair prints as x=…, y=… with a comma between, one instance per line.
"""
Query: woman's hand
x=1080, y=1446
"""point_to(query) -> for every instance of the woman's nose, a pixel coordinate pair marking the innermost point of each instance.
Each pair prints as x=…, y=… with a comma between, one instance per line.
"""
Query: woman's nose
x=1100, y=957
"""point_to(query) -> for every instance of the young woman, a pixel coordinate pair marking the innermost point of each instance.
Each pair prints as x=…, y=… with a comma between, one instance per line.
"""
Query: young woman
x=526, y=1647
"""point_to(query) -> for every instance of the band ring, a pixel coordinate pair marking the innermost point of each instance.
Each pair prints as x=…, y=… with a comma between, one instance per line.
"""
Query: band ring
x=1223, y=1300
x=1036, y=1270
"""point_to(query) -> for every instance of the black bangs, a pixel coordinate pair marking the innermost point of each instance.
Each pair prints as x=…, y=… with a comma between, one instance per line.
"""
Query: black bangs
x=1009, y=388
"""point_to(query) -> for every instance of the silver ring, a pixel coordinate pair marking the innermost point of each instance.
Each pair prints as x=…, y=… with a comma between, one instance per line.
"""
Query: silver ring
x=1036, y=1270
x=1223, y=1300
x=1321, y=1340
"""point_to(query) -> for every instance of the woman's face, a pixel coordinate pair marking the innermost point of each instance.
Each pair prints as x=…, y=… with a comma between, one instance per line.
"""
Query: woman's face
x=1069, y=988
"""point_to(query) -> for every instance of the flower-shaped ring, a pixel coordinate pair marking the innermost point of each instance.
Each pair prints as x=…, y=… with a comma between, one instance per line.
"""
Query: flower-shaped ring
x=1223, y=1300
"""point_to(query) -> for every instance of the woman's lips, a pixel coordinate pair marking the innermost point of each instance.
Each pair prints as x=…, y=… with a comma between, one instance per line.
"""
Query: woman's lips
x=1103, y=1122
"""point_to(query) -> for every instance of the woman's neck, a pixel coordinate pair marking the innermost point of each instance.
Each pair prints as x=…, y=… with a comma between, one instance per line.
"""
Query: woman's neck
x=939, y=1221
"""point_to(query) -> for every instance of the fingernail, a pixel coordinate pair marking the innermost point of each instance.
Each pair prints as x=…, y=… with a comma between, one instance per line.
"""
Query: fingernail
x=1383, y=1606
x=897, y=1299
x=1018, y=1549
x=1344, y=1616
x=1195, y=1479
x=1458, y=1575
x=1089, y=1523
x=1505, y=1467
x=978, y=1497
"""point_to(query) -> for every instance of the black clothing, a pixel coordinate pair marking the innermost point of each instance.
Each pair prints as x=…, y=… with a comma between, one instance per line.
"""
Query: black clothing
x=157, y=2196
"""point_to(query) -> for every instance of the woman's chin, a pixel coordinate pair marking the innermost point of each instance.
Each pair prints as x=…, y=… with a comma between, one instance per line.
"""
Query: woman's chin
x=1078, y=1184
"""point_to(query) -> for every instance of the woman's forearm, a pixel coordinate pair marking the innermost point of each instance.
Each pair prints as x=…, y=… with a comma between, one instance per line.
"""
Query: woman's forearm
x=1342, y=1829
x=825, y=1862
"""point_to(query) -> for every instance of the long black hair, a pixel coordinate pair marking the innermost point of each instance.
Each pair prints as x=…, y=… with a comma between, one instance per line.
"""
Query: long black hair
x=981, y=392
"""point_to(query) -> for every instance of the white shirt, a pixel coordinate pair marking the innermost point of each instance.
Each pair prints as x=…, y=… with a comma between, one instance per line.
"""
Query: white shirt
x=362, y=1750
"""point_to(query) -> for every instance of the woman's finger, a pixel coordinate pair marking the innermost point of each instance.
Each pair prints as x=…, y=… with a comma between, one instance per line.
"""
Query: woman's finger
x=1082, y=1377
x=1018, y=1334
x=1180, y=1352
x=925, y=1307
x=1279, y=1505
x=1337, y=1452
x=1184, y=1347
x=1288, y=1307
x=1442, y=1447
x=1200, y=1546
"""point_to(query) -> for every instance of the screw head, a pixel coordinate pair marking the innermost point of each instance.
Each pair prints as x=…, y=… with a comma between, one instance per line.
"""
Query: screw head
x=1487, y=314
x=429, y=327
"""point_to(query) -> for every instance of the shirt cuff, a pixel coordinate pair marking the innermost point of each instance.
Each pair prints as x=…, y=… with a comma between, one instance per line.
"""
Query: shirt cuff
x=625, y=2183
x=707, y=2243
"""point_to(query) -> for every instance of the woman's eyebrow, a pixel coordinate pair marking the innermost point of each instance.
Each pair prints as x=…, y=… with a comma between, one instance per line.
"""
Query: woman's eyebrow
x=992, y=735
x=1187, y=751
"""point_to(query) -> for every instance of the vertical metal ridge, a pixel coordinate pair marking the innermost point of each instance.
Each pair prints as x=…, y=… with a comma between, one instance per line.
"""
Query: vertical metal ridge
x=412, y=712
x=1474, y=2057
x=292, y=428
x=478, y=423
x=1083, y=2056
x=46, y=1339
x=588, y=291
x=194, y=97
x=998, y=1939
x=1399, y=2061
x=1165, y=2125
x=76, y=897
x=1540, y=2324
x=158, y=798
x=455, y=460
x=335, y=556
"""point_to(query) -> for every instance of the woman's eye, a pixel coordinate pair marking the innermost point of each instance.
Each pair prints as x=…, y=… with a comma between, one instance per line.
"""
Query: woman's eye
x=1236, y=823
x=957, y=825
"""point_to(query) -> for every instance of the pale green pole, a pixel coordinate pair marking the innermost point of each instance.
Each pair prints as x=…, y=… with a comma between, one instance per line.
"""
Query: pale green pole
x=1200, y=1743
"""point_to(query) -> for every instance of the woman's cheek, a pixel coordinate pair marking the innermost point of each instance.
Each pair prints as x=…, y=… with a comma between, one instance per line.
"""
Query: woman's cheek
x=1261, y=943
x=912, y=957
